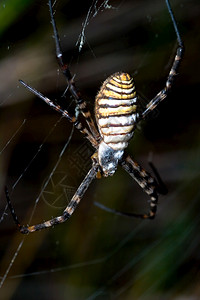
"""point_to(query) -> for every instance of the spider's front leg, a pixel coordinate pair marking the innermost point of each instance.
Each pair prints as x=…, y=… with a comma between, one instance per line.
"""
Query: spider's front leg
x=147, y=183
x=66, y=213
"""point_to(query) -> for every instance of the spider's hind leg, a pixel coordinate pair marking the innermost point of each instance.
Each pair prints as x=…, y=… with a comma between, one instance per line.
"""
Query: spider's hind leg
x=81, y=103
x=172, y=73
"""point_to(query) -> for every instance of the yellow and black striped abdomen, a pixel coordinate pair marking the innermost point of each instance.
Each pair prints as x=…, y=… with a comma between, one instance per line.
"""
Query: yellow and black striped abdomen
x=115, y=110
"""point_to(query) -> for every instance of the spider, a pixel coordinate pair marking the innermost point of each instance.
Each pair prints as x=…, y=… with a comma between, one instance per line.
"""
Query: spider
x=116, y=117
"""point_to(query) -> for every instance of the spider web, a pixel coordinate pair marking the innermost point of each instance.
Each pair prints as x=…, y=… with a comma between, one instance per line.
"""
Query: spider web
x=96, y=7
x=96, y=255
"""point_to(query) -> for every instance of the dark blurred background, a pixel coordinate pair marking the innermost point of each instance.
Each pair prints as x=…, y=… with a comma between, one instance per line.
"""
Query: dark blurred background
x=98, y=255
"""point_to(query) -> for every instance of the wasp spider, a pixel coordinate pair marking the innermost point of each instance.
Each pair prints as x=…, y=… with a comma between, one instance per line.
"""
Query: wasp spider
x=116, y=117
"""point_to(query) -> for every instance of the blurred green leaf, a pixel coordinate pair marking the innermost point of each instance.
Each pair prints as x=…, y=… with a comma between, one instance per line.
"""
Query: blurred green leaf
x=10, y=10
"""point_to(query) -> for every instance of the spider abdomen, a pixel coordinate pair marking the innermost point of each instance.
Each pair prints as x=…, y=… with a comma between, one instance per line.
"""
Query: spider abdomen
x=115, y=110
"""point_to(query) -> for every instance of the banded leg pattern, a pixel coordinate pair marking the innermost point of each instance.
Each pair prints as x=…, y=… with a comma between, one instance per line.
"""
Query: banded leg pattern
x=170, y=80
x=67, y=212
x=115, y=110
x=82, y=105
x=147, y=183
x=175, y=66
x=173, y=71
x=63, y=112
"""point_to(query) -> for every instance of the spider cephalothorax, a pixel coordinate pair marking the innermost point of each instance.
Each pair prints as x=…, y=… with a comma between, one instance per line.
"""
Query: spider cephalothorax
x=116, y=117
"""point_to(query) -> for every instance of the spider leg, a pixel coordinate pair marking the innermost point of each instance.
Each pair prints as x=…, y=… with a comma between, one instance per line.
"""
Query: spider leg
x=66, y=213
x=161, y=187
x=65, y=113
x=147, y=183
x=71, y=85
x=173, y=71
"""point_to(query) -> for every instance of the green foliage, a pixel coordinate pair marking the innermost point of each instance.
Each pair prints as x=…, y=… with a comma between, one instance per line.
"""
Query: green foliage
x=10, y=11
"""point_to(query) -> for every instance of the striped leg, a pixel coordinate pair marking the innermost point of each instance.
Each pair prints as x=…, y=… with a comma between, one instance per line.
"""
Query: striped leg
x=66, y=213
x=147, y=183
x=164, y=92
x=71, y=85
x=65, y=114
x=161, y=187
x=173, y=71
